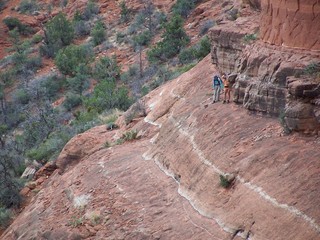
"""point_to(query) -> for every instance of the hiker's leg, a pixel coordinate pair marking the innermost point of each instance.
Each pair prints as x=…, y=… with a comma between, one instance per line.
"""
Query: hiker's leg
x=215, y=94
x=218, y=93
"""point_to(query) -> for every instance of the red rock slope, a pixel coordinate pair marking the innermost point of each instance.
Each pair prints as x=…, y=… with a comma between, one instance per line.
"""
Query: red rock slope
x=123, y=192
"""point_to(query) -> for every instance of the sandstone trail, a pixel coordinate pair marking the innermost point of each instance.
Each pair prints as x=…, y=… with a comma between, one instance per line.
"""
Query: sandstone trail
x=166, y=184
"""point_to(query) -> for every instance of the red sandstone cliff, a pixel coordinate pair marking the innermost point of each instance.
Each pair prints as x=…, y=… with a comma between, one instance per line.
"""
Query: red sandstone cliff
x=291, y=23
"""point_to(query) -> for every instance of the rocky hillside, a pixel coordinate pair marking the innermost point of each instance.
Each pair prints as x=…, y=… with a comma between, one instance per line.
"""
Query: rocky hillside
x=184, y=144
x=184, y=168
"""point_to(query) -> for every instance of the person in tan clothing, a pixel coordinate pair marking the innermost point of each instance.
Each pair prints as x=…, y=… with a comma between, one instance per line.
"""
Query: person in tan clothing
x=227, y=88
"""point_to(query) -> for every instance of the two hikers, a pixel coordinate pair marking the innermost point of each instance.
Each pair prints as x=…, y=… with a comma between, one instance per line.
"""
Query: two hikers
x=218, y=84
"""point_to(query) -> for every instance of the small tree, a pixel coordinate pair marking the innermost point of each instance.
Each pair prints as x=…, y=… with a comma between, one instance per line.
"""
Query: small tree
x=69, y=58
x=203, y=48
x=107, y=95
x=9, y=187
x=173, y=40
x=183, y=7
x=80, y=81
x=58, y=33
x=125, y=11
x=91, y=10
x=98, y=33
x=107, y=68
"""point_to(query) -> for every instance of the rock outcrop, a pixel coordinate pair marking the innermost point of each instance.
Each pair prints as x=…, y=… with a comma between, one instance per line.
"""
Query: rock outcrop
x=291, y=23
x=227, y=40
x=272, y=74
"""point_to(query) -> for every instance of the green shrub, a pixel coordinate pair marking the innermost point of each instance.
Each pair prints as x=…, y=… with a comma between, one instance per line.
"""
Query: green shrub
x=71, y=101
x=112, y=117
x=163, y=74
x=51, y=147
x=119, y=141
x=9, y=193
x=85, y=120
x=59, y=32
x=92, y=9
x=283, y=123
x=145, y=90
x=199, y=51
x=312, y=68
x=174, y=39
x=204, y=48
x=84, y=117
x=184, y=69
x=206, y=26
x=22, y=96
x=107, y=96
x=28, y=6
x=2, y=4
x=63, y=3
x=250, y=37
x=98, y=33
x=224, y=181
x=81, y=28
x=106, y=68
x=12, y=23
x=5, y=217
x=80, y=82
x=142, y=39
x=7, y=76
x=71, y=57
x=36, y=38
x=53, y=85
x=33, y=63
x=187, y=55
x=130, y=135
x=121, y=38
x=183, y=7
x=19, y=59
x=130, y=75
x=75, y=221
x=125, y=12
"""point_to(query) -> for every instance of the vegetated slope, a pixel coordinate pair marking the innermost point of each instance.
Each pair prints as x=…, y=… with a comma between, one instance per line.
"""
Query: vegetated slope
x=112, y=193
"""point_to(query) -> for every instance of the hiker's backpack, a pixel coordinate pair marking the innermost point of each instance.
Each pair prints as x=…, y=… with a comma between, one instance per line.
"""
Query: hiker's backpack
x=216, y=81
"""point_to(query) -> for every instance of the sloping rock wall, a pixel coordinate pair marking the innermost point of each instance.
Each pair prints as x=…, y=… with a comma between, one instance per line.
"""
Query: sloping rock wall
x=116, y=193
x=198, y=141
x=291, y=23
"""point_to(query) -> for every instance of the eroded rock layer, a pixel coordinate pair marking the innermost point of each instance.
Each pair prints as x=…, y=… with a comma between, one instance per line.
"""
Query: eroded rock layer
x=227, y=40
x=276, y=75
x=291, y=23
x=272, y=80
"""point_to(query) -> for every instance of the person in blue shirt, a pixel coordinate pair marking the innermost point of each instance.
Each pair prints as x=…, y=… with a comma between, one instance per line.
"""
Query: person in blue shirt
x=217, y=85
